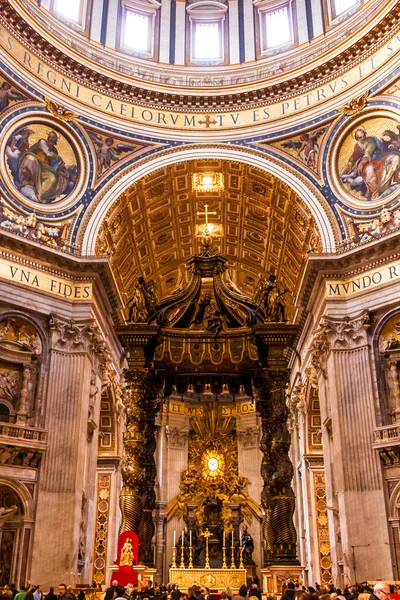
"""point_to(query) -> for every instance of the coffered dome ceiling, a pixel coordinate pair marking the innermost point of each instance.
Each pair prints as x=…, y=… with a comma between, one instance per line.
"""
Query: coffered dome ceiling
x=150, y=229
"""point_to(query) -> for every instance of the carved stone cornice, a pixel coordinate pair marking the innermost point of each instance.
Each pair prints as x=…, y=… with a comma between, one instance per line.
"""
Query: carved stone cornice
x=249, y=438
x=76, y=336
x=84, y=74
x=176, y=438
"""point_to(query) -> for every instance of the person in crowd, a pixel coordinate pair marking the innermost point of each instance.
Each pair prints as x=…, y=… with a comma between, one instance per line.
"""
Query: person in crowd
x=207, y=595
x=29, y=594
x=119, y=591
x=242, y=593
x=381, y=591
x=255, y=591
x=394, y=593
x=37, y=592
x=21, y=594
x=62, y=591
x=290, y=591
x=51, y=595
x=81, y=595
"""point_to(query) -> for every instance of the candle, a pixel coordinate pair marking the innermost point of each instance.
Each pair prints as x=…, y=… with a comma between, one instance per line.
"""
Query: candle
x=183, y=538
x=223, y=538
x=240, y=537
x=190, y=537
x=174, y=537
x=232, y=537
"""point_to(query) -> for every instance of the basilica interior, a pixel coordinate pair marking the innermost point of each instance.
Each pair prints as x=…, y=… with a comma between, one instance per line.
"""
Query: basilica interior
x=199, y=292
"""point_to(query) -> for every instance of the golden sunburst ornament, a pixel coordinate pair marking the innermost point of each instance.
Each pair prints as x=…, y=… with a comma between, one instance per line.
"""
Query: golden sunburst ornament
x=213, y=464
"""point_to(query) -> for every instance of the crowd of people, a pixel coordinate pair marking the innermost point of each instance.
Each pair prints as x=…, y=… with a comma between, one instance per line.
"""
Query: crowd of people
x=290, y=591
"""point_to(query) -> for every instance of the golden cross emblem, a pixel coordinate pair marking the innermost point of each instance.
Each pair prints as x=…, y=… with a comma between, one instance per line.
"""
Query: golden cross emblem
x=206, y=213
x=207, y=533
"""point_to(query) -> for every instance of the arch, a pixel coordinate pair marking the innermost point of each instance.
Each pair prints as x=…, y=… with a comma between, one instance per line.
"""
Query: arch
x=308, y=193
x=23, y=494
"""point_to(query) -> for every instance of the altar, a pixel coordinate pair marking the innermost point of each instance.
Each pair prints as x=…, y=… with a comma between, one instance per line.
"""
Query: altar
x=216, y=579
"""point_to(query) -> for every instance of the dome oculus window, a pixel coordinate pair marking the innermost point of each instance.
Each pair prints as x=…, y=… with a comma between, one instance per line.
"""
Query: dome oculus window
x=275, y=25
x=207, y=33
x=139, y=28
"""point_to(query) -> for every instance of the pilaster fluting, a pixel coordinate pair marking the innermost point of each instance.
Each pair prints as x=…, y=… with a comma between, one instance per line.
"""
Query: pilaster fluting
x=138, y=497
x=66, y=491
x=342, y=367
x=278, y=500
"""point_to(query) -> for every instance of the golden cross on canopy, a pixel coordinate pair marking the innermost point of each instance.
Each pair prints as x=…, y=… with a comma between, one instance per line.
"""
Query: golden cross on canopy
x=206, y=213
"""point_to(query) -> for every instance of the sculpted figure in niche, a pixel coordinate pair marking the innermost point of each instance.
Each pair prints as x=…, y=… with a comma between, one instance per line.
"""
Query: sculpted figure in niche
x=127, y=554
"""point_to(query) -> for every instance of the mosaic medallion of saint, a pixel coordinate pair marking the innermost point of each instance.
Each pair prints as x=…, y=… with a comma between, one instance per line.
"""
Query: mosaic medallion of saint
x=368, y=160
x=41, y=163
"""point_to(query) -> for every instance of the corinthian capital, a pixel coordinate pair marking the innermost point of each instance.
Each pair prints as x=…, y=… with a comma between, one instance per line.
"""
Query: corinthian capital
x=76, y=336
x=346, y=332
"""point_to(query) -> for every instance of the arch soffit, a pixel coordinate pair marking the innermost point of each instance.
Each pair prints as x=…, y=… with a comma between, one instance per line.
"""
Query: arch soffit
x=308, y=193
x=23, y=494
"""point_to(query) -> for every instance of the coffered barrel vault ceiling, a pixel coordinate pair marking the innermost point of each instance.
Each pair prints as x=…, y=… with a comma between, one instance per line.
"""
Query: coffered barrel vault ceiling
x=150, y=229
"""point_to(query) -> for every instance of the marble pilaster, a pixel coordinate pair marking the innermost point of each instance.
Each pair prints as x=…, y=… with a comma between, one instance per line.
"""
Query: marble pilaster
x=342, y=363
x=66, y=496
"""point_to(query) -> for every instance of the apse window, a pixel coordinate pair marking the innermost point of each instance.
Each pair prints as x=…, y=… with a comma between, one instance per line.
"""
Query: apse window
x=70, y=9
x=277, y=27
x=342, y=6
x=137, y=31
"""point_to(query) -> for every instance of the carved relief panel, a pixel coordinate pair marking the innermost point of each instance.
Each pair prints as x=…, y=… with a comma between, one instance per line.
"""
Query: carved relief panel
x=20, y=350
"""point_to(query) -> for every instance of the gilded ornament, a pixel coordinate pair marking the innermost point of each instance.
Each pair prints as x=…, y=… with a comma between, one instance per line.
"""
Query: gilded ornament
x=355, y=105
x=60, y=112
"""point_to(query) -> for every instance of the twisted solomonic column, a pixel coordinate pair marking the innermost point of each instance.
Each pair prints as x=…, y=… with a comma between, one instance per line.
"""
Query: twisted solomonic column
x=138, y=498
x=277, y=498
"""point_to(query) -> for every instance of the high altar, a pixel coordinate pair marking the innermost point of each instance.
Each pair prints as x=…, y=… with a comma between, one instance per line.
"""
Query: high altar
x=218, y=579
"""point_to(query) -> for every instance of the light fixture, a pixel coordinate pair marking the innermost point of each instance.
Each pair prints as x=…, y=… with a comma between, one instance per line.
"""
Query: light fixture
x=225, y=390
x=207, y=390
x=208, y=182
